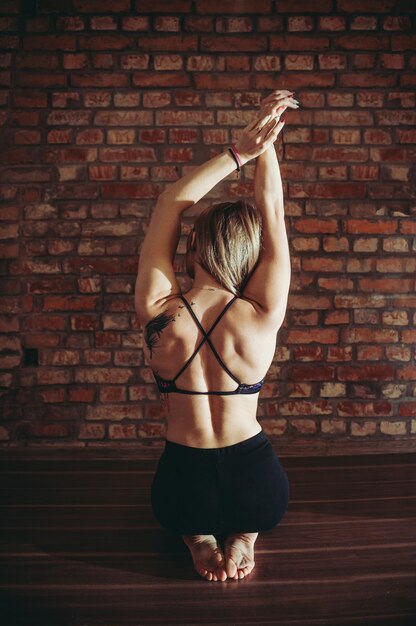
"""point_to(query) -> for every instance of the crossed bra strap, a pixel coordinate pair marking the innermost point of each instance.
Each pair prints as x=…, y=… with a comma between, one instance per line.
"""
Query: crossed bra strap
x=207, y=339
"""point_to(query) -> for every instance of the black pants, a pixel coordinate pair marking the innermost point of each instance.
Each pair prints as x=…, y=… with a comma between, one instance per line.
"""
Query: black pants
x=238, y=488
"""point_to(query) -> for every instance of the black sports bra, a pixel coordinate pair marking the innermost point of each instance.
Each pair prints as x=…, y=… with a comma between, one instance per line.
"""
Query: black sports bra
x=169, y=386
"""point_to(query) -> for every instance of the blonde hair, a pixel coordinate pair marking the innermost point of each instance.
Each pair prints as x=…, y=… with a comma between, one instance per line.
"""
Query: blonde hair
x=228, y=241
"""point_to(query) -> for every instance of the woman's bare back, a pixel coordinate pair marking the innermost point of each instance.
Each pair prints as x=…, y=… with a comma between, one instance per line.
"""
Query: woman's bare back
x=245, y=345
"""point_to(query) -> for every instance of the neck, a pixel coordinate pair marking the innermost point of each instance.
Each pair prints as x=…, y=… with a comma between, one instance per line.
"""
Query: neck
x=204, y=280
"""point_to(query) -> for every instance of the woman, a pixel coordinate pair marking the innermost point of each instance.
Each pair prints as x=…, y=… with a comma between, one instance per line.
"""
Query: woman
x=218, y=482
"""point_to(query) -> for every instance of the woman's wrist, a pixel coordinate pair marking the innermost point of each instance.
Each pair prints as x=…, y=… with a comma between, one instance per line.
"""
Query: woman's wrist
x=239, y=158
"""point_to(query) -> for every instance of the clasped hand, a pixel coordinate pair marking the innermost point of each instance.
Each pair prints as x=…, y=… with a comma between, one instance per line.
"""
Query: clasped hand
x=257, y=136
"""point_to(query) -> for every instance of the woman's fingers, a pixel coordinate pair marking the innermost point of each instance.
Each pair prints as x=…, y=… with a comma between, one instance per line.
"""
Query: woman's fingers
x=277, y=95
x=259, y=122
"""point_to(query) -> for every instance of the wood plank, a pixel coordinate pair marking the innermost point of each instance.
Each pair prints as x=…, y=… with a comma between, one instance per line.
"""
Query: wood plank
x=94, y=554
x=200, y=603
x=342, y=534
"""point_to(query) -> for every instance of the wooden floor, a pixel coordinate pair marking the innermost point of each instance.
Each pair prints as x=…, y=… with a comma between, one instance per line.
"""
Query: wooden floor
x=79, y=546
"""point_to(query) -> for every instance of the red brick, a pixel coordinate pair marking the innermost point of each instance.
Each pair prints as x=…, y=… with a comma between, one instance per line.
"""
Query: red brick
x=270, y=23
x=91, y=431
x=333, y=172
x=364, y=22
x=121, y=136
x=187, y=98
x=305, y=43
x=365, y=372
x=97, y=99
x=104, y=42
x=99, y=79
x=332, y=61
x=59, y=136
x=49, y=42
x=163, y=6
x=174, y=43
x=348, y=407
x=393, y=154
x=132, y=172
x=328, y=190
x=167, y=23
x=386, y=285
x=299, y=23
x=380, y=226
x=234, y=25
x=399, y=22
x=156, y=135
x=101, y=6
x=327, y=335
x=167, y=62
x=218, y=81
x=29, y=79
x=102, y=172
x=237, y=63
x=103, y=22
x=365, y=79
x=8, y=42
x=304, y=6
x=103, y=60
x=392, y=61
x=364, y=172
x=299, y=62
x=366, y=6
x=135, y=23
x=363, y=61
x=314, y=225
x=37, y=61
x=76, y=61
x=27, y=137
x=295, y=81
x=123, y=118
x=42, y=430
x=182, y=135
x=332, y=23
x=228, y=43
x=233, y=6
x=339, y=154
x=128, y=99
x=160, y=79
x=70, y=22
x=68, y=155
x=135, y=61
x=305, y=372
x=377, y=136
x=179, y=118
x=407, y=80
x=163, y=172
x=131, y=190
x=179, y=155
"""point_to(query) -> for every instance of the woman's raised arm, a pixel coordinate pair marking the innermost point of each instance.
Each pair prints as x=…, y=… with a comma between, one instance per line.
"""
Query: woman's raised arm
x=269, y=284
x=156, y=279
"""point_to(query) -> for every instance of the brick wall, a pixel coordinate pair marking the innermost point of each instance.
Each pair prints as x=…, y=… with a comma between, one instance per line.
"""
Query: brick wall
x=103, y=103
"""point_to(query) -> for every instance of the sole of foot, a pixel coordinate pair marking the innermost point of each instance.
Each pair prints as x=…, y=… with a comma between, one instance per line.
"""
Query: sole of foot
x=207, y=556
x=239, y=554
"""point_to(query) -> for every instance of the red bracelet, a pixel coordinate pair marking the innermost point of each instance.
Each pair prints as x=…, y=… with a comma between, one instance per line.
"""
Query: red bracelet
x=236, y=155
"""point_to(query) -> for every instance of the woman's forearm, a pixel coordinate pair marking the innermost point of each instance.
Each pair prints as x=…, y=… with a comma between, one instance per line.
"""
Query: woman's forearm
x=196, y=184
x=268, y=189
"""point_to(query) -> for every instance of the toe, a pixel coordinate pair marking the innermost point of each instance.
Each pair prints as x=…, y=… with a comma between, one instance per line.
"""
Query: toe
x=222, y=574
x=231, y=568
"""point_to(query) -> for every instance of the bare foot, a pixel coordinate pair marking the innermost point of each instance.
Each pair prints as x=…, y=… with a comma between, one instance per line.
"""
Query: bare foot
x=207, y=556
x=239, y=554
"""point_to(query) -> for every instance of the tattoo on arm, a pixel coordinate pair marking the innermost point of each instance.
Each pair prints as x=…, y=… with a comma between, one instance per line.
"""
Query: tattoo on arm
x=153, y=329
